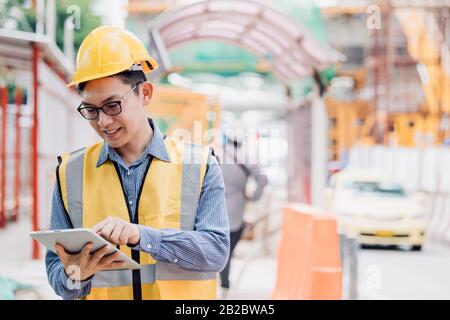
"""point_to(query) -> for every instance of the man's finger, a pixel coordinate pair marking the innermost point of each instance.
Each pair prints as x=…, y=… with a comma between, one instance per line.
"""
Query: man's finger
x=109, y=259
x=100, y=225
x=100, y=253
x=115, y=235
x=62, y=254
x=86, y=250
x=116, y=265
x=124, y=236
x=106, y=231
x=60, y=251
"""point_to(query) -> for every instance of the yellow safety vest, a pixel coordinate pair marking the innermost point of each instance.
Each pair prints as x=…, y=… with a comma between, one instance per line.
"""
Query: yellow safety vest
x=168, y=199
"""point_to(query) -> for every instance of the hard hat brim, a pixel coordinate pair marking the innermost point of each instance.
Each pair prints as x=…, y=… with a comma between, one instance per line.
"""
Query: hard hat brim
x=146, y=70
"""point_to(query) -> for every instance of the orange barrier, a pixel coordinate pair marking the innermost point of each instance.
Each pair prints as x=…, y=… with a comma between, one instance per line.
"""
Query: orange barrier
x=309, y=264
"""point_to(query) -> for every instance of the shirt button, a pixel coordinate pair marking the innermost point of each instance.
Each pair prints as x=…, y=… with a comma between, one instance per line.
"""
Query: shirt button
x=175, y=260
x=129, y=172
x=130, y=202
x=149, y=246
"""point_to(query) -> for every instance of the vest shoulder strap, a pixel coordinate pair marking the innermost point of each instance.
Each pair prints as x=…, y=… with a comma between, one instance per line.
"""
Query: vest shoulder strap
x=196, y=155
x=70, y=168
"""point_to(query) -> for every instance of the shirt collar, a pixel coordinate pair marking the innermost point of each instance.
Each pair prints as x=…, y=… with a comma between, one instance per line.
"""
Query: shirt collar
x=156, y=147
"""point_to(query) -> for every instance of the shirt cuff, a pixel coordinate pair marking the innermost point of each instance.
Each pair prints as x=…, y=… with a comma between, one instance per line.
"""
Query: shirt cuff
x=150, y=240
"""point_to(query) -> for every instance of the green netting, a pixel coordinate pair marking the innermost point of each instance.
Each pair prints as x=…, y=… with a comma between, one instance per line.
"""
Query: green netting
x=307, y=13
x=213, y=56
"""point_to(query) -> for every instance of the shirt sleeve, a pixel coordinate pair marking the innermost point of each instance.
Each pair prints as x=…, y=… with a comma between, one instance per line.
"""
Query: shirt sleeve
x=205, y=249
x=63, y=286
x=261, y=182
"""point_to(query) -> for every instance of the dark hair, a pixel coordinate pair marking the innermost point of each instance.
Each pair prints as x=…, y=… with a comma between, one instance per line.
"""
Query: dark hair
x=127, y=77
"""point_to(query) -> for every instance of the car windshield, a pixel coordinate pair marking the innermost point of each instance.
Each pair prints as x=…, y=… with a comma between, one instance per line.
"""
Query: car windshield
x=383, y=189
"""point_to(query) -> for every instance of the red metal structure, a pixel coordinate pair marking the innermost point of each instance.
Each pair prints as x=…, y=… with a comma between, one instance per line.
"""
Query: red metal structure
x=4, y=101
x=34, y=63
x=34, y=150
x=17, y=156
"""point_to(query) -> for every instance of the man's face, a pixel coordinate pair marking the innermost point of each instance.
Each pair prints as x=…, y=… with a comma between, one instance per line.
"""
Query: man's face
x=120, y=129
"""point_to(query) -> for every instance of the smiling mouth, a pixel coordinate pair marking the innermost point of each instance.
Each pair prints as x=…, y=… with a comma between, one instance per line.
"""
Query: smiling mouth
x=110, y=133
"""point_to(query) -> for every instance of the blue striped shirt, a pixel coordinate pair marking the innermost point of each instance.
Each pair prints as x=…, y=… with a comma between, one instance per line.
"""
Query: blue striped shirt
x=205, y=249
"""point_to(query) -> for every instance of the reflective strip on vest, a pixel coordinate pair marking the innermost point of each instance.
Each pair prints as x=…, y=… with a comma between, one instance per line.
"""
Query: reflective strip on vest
x=149, y=273
x=169, y=271
x=190, y=184
x=120, y=278
x=74, y=174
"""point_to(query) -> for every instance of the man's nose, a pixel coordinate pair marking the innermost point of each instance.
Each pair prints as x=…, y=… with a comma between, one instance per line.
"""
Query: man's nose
x=104, y=119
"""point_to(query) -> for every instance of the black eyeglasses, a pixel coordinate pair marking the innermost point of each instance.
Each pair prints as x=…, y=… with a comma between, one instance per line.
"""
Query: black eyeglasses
x=111, y=108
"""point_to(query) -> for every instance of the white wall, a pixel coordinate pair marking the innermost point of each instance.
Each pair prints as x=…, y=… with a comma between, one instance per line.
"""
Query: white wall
x=61, y=130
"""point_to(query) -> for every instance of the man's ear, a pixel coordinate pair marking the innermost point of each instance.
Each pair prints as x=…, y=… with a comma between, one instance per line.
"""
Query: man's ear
x=147, y=91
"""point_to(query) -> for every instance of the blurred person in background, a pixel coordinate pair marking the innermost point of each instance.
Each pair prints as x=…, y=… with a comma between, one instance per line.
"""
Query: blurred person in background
x=236, y=175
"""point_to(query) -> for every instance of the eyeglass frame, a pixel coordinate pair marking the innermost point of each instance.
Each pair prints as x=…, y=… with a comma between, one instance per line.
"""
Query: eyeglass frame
x=98, y=108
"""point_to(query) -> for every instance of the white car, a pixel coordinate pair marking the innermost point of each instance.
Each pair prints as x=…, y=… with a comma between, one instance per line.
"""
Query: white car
x=377, y=210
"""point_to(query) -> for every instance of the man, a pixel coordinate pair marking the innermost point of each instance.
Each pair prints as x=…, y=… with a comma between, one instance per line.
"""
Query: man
x=159, y=199
x=236, y=175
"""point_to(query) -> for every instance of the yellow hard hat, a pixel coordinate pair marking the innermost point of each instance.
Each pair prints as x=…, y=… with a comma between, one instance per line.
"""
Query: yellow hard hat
x=109, y=50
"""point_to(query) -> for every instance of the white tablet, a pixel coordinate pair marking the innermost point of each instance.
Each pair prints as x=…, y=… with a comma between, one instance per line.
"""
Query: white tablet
x=73, y=240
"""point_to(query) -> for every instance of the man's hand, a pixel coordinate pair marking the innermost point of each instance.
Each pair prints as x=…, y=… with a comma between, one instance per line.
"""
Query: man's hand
x=118, y=231
x=82, y=265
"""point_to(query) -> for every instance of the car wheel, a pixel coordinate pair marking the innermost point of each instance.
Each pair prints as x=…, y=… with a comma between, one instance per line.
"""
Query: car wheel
x=416, y=247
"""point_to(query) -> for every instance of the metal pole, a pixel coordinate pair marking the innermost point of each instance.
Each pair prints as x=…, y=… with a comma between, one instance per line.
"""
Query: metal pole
x=34, y=149
x=349, y=263
x=388, y=53
x=319, y=149
x=353, y=267
x=40, y=16
x=17, y=156
x=4, y=101
x=50, y=19
x=68, y=39
x=343, y=253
